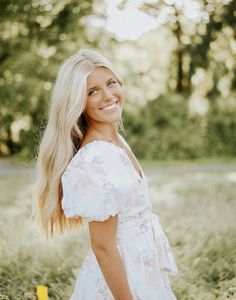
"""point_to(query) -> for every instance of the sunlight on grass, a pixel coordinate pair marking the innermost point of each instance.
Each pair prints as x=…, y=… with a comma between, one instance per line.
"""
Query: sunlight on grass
x=197, y=207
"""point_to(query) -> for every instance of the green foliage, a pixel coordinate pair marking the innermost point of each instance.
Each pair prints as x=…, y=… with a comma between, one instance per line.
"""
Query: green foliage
x=165, y=129
x=36, y=36
x=221, y=131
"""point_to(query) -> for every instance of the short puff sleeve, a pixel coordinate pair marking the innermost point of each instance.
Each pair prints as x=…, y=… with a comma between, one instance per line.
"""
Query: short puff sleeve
x=92, y=187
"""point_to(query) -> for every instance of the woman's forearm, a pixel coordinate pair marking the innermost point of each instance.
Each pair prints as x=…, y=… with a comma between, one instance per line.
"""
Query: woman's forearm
x=113, y=270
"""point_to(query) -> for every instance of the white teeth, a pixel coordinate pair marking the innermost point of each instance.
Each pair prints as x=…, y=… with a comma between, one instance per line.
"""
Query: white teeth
x=111, y=106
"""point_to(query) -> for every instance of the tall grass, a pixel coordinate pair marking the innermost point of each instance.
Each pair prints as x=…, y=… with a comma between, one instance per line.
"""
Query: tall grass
x=197, y=208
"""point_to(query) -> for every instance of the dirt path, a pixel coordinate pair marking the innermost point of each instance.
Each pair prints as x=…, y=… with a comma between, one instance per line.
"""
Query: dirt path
x=7, y=167
x=191, y=167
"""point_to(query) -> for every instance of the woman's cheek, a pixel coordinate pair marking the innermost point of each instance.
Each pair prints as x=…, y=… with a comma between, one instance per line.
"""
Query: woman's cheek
x=94, y=102
x=96, y=99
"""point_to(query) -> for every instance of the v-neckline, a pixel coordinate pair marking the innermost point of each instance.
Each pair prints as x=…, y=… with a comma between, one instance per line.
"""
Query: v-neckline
x=140, y=172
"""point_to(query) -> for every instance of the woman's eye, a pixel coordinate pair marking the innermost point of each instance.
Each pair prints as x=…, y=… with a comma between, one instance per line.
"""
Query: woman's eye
x=93, y=92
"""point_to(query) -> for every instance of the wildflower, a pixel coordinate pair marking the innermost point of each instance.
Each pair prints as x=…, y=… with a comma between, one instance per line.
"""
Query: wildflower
x=42, y=292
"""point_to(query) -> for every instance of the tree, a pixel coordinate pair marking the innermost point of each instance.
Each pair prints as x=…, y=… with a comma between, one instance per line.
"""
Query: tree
x=35, y=37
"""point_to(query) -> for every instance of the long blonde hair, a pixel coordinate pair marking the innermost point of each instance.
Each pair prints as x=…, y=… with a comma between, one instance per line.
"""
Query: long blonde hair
x=62, y=137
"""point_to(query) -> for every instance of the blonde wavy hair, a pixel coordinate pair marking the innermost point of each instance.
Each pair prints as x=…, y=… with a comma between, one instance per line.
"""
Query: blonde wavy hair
x=61, y=139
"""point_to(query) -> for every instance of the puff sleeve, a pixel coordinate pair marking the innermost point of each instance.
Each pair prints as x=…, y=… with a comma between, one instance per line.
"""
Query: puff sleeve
x=92, y=187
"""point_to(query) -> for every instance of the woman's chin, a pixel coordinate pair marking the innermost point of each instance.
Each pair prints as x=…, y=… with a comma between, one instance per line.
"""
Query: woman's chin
x=111, y=116
x=111, y=120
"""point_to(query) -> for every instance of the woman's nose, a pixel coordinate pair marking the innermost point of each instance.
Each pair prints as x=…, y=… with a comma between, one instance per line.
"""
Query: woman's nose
x=107, y=93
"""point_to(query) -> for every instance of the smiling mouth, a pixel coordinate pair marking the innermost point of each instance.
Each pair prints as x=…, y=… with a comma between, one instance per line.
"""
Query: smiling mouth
x=109, y=106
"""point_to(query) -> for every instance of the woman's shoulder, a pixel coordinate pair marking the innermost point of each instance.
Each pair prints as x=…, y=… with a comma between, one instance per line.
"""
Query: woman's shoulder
x=94, y=148
x=83, y=162
x=87, y=153
x=96, y=154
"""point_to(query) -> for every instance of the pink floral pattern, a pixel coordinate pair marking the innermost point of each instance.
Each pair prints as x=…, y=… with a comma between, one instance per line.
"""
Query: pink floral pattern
x=101, y=181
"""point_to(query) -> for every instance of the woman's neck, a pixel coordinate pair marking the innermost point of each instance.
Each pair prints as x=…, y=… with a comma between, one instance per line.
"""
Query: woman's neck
x=108, y=133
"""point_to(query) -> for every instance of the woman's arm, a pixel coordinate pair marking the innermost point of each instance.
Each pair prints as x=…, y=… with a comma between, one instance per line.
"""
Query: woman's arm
x=103, y=242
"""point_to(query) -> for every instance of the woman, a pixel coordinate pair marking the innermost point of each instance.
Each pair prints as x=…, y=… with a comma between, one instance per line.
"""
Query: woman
x=87, y=172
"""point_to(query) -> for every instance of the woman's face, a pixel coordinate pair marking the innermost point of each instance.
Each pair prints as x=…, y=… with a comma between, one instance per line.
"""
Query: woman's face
x=105, y=97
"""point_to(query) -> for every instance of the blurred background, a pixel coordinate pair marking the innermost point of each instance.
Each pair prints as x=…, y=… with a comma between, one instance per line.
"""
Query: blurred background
x=177, y=59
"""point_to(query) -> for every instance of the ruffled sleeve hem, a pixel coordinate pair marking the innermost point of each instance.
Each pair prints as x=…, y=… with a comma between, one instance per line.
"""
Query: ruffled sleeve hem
x=72, y=212
x=100, y=218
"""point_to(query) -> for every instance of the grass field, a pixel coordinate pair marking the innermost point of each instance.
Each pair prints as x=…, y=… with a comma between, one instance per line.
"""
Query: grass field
x=196, y=203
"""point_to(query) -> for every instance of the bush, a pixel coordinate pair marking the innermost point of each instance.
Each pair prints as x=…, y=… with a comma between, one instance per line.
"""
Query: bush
x=165, y=129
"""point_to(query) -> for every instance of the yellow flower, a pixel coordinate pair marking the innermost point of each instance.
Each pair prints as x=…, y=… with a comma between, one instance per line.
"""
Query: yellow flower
x=42, y=292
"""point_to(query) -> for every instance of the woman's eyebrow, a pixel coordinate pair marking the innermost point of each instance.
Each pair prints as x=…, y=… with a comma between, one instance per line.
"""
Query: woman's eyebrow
x=92, y=88
x=113, y=77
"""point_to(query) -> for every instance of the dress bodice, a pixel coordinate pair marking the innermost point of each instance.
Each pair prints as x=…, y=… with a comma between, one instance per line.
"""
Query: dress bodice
x=101, y=179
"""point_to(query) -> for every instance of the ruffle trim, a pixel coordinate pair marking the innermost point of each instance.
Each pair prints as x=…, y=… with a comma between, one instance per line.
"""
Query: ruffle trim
x=74, y=209
x=100, y=218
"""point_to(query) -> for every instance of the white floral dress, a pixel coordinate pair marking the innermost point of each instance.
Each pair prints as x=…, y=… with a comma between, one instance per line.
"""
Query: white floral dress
x=101, y=181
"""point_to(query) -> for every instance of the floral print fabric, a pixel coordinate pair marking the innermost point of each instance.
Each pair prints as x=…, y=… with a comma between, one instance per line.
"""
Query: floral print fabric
x=101, y=181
